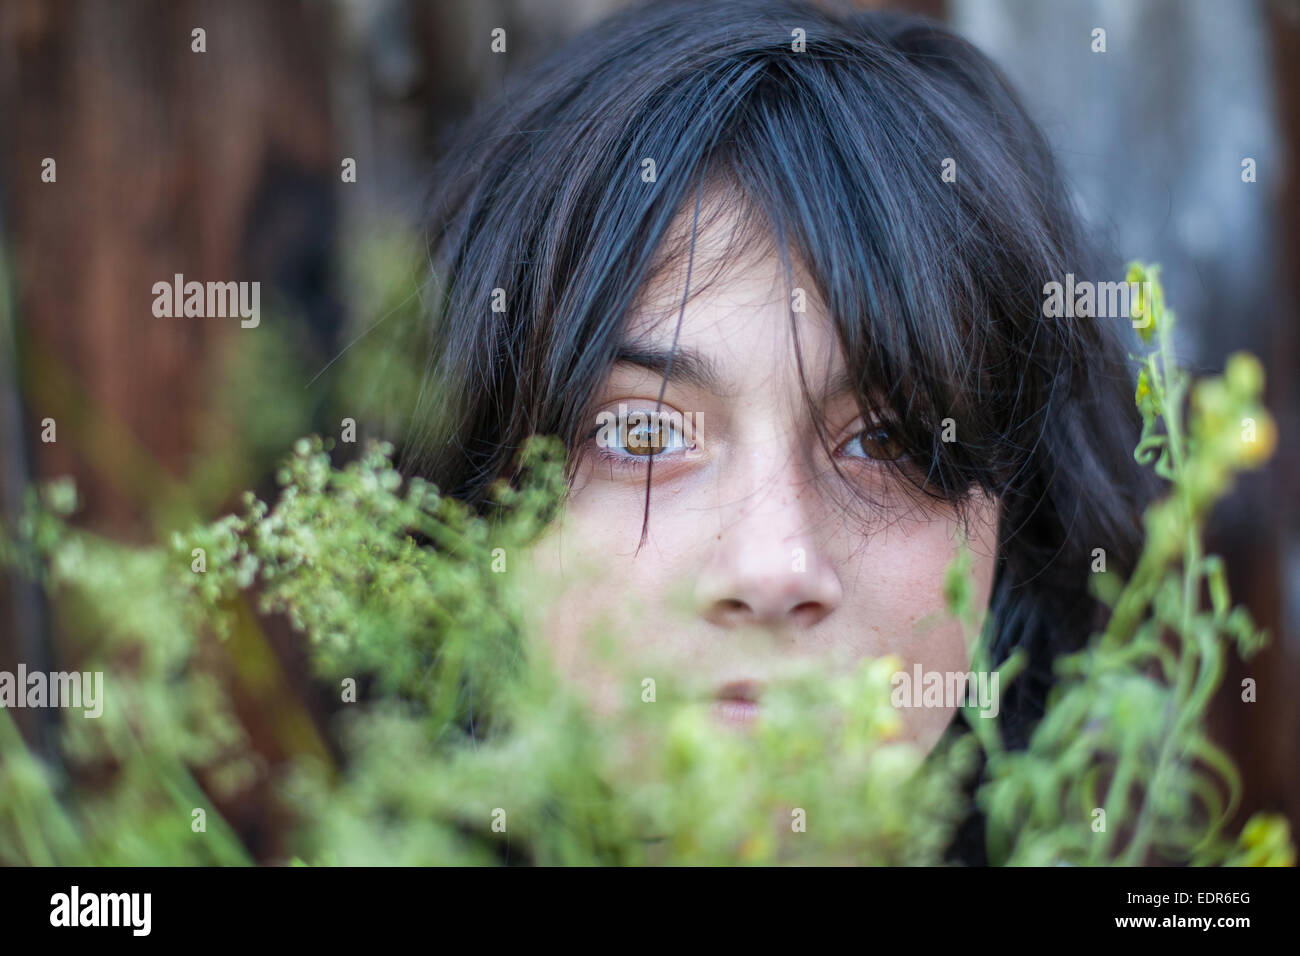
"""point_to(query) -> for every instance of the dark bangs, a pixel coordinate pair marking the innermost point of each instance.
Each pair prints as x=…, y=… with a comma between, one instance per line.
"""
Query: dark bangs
x=838, y=152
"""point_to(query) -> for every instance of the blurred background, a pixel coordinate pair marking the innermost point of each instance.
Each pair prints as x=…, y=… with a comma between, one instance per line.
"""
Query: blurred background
x=226, y=165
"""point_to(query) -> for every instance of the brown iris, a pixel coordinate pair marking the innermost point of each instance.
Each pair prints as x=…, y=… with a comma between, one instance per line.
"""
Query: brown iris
x=647, y=440
x=881, y=444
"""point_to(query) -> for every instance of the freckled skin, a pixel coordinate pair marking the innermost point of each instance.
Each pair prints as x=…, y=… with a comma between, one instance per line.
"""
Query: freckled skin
x=717, y=594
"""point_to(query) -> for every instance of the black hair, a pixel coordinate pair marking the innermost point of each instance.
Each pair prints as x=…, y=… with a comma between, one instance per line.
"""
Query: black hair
x=837, y=148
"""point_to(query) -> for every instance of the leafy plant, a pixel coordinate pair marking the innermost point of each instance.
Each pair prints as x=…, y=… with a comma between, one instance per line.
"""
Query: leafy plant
x=1123, y=746
x=453, y=741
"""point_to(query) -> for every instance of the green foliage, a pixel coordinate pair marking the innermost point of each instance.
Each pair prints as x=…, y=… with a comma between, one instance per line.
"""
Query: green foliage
x=1124, y=733
x=462, y=745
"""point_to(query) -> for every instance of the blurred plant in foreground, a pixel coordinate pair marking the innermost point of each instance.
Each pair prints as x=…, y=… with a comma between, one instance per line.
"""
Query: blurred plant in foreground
x=1121, y=767
x=456, y=743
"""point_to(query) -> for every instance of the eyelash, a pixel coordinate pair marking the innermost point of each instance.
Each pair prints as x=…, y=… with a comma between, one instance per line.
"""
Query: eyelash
x=874, y=429
x=633, y=462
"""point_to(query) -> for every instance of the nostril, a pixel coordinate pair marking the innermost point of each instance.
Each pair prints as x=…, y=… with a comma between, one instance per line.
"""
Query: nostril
x=729, y=612
x=809, y=613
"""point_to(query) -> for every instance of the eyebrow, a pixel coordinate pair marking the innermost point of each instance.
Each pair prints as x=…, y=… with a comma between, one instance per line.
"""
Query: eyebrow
x=685, y=366
x=690, y=367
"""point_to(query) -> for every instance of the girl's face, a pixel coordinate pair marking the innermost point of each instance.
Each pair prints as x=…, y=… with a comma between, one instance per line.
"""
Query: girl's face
x=751, y=563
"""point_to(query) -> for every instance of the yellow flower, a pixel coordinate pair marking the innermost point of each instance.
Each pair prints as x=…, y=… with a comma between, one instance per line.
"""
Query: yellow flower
x=1256, y=452
x=1265, y=840
x=1144, y=396
x=1143, y=307
x=1244, y=375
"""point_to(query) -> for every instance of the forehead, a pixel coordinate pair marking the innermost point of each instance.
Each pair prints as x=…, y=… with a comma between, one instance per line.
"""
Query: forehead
x=739, y=308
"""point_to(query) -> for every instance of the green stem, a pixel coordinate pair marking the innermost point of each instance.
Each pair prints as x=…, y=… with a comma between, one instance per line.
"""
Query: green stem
x=1173, y=394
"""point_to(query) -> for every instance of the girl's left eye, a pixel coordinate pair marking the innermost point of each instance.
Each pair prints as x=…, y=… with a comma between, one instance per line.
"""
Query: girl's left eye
x=876, y=443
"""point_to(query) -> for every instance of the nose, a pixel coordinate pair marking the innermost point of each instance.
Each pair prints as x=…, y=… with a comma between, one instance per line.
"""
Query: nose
x=767, y=566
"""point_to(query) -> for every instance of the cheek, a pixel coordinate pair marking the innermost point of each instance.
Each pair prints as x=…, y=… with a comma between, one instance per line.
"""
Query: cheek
x=894, y=604
x=601, y=532
x=893, y=588
x=597, y=599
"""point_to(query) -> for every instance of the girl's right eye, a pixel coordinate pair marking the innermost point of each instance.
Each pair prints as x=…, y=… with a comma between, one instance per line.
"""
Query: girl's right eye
x=632, y=439
x=646, y=440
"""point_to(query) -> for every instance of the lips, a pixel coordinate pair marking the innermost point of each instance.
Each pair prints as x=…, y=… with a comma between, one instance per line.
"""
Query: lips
x=737, y=703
